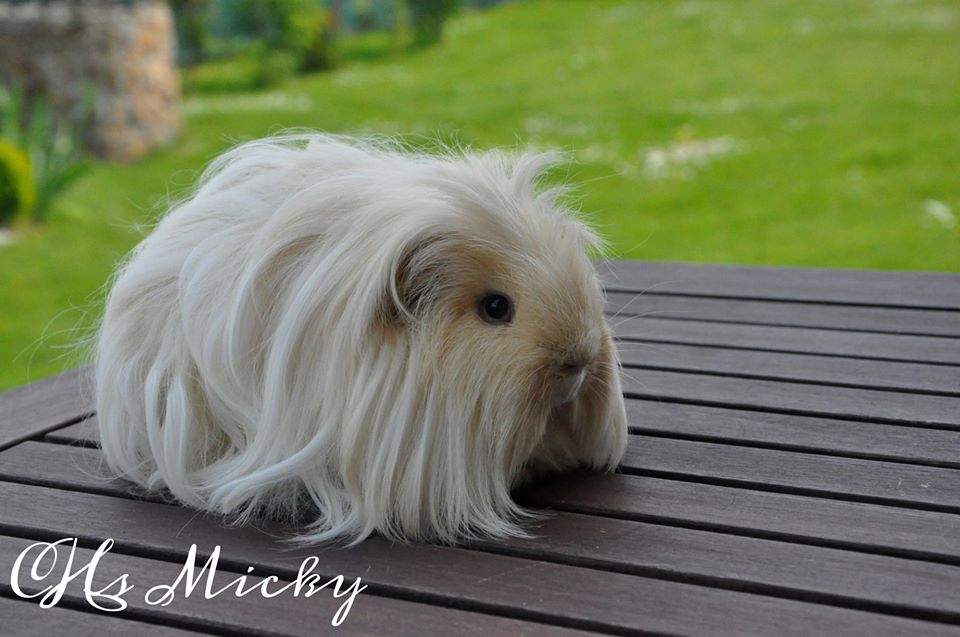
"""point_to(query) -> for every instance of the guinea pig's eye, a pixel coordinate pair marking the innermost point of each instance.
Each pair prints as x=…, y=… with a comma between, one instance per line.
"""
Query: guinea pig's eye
x=495, y=308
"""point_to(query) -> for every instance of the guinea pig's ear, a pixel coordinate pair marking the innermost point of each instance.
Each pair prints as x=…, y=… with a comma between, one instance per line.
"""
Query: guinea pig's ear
x=416, y=278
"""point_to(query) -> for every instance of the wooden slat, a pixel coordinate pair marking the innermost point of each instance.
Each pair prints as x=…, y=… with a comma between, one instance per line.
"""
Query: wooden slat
x=920, y=349
x=912, y=486
x=774, y=313
x=799, y=433
x=84, y=432
x=29, y=411
x=23, y=617
x=934, y=488
x=731, y=557
x=80, y=467
x=816, y=573
x=909, y=445
x=65, y=467
x=852, y=525
x=825, y=370
x=582, y=596
x=733, y=393
x=895, y=289
x=818, y=400
x=254, y=614
x=793, y=465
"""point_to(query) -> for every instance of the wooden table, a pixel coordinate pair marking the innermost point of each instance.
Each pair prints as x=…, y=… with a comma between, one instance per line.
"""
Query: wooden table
x=794, y=467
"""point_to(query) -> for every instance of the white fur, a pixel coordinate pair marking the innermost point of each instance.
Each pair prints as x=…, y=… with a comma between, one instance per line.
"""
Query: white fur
x=301, y=335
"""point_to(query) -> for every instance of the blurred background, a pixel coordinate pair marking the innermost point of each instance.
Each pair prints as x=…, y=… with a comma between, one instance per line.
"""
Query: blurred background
x=803, y=133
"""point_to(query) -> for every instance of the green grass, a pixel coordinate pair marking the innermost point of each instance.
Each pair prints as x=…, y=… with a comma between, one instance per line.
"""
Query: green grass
x=834, y=124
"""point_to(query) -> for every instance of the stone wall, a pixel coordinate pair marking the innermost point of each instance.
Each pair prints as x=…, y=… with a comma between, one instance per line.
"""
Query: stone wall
x=120, y=55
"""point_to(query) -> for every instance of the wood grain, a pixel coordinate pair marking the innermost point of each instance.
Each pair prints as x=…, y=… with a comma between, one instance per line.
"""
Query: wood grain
x=862, y=287
x=786, y=314
x=830, y=522
x=23, y=617
x=256, y=615
x=761, y=429
x=895, y=484
x=941, y=412
x=815, y=573
x=917, y=349
x=768, y=430
x=800, y=368
x=793, y=468
x=501, y=584
x=34, y=409
x=933, y=488
x=858, y=526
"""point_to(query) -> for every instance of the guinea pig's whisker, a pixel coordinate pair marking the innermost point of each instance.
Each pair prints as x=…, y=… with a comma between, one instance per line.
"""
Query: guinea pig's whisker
x=642, y=346
x=627, y=305
x=631, y=317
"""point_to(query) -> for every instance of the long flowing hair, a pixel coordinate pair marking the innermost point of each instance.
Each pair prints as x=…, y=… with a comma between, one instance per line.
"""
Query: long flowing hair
x=299, y=335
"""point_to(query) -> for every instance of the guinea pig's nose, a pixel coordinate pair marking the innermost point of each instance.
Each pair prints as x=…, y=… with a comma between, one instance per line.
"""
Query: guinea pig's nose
x=572, y=373
x=572, y=368
x=574, y=363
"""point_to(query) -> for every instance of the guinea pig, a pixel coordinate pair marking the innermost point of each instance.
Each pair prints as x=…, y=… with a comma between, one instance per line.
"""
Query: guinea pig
x=387, y=341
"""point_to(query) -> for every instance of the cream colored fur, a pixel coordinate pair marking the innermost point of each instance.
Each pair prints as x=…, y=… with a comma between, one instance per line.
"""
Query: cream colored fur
x=302, y=334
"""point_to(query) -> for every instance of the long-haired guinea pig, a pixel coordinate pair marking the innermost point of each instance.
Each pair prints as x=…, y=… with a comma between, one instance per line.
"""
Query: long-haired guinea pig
x=384, y=340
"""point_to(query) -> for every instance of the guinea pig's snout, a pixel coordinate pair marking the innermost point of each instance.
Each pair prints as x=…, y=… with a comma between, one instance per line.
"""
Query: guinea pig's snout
x=573, y=367
x=571, y=373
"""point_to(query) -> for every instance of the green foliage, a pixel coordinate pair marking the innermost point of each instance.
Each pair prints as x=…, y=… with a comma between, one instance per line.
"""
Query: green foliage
x=366, y=16
x=17, y=193
x=371, y=46
x=297, y=30
x=428, y=18
x=276, y=66
x=193, y=20
x=238, y=73
x=267, y=20
x=314, y=39
x=51, y=142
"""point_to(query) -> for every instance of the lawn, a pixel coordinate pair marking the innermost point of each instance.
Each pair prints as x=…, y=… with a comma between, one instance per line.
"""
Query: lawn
x=789, y=133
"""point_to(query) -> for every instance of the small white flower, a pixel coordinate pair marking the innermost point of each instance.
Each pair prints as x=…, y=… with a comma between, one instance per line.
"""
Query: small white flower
x=940, y=212
x=803, y=26
x=682, y=158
